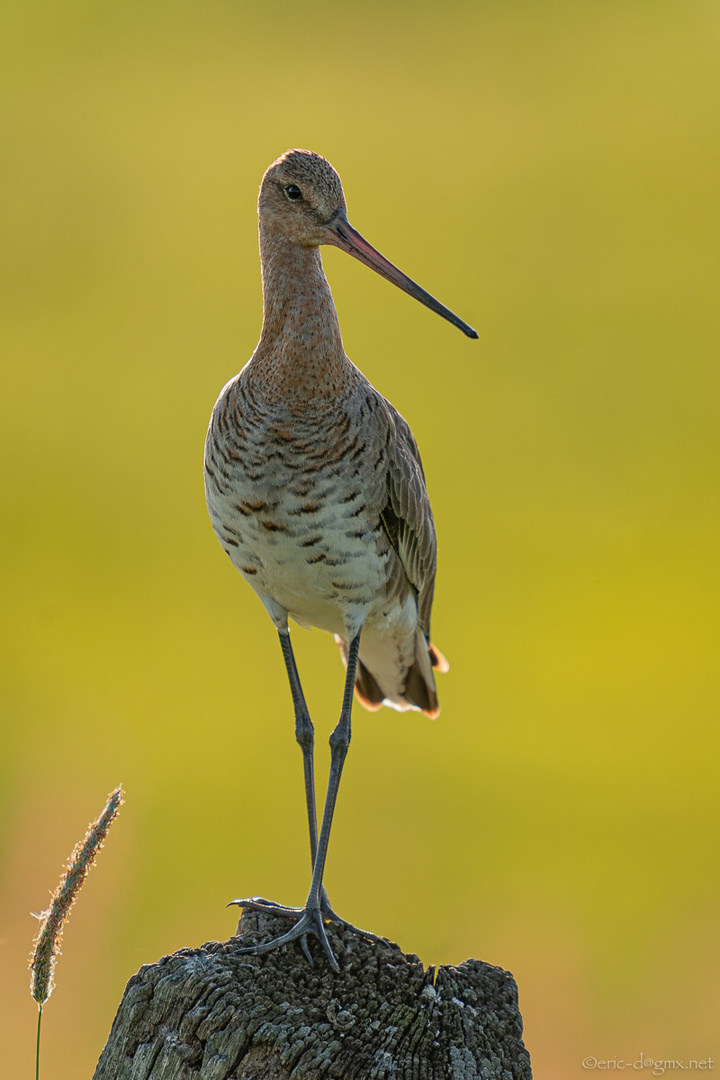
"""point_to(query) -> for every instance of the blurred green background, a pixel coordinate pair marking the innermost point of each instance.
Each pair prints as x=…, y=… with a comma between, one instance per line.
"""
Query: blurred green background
x=548, y=170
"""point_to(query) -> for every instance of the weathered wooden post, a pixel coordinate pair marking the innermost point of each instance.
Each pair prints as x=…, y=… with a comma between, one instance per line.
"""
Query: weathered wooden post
x=217, y=1014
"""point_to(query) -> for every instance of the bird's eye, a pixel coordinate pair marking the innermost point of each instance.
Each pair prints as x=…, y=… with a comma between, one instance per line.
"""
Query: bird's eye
x=293, y=192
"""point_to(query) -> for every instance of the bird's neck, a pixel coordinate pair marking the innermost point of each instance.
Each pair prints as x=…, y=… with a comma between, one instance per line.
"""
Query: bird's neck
x=300, y=352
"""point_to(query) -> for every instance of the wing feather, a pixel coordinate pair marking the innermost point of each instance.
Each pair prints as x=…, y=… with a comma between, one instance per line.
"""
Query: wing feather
x=407, y=517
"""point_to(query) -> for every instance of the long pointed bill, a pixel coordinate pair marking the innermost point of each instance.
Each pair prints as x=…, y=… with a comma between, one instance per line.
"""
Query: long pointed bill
x=341, y=233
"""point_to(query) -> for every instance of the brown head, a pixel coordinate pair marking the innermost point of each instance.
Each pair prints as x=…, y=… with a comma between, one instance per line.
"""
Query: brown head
x=299, y=195
x=301, y=198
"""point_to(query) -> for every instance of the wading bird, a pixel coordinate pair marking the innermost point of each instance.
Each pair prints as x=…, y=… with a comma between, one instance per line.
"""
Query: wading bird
x=316, y=491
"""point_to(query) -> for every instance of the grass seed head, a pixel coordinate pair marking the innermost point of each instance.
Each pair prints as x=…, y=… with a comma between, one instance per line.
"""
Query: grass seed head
x=46, y=946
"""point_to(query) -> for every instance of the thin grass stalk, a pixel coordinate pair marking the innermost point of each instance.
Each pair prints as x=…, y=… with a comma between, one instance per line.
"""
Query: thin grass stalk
x=37, y=1045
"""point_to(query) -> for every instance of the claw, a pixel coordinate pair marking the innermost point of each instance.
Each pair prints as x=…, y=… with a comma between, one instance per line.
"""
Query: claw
x=308, y=921
x=259, y=903
x=306, y=951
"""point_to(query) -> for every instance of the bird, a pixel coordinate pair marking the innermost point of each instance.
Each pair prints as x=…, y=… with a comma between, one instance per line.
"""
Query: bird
x=316, y=492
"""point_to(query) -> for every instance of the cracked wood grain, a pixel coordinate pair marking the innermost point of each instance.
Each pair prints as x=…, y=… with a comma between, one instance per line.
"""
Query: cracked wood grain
x=214, y=1013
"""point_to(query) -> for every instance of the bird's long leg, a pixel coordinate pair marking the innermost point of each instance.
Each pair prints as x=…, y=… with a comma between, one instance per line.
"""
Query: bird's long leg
x=305, y=735
x=339, y=743
x=310, y=918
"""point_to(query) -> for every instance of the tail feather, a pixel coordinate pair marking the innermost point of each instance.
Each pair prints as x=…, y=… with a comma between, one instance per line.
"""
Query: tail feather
x=421, y=694
x=419, y=691
x=367, y=690
x=437, y=659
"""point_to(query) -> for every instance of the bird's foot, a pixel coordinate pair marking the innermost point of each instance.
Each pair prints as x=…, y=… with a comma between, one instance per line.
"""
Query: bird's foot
x=259, y=903
x=308, y=920
x=329, y=914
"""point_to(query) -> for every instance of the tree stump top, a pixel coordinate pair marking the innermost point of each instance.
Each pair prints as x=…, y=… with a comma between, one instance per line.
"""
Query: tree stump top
x=215, y=1013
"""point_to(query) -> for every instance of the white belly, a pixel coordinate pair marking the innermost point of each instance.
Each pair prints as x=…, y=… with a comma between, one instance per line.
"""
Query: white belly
x=322, y=569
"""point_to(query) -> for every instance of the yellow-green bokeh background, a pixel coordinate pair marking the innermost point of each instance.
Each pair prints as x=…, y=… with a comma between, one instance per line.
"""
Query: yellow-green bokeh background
x=549, y=170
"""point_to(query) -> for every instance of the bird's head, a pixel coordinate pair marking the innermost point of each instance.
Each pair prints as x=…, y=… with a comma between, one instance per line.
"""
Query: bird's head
x=300, y=195
x=301, y=199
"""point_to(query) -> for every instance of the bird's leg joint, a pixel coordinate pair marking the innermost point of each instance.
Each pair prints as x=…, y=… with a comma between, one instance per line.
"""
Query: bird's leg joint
x=340, y=738
x=304, y=731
